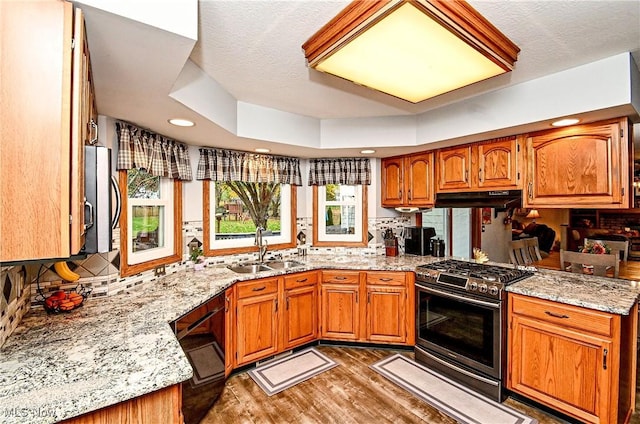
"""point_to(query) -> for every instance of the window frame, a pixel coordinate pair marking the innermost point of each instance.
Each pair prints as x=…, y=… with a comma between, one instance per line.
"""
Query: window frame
x=127, y=269
x=317, y=204
x=208, y=250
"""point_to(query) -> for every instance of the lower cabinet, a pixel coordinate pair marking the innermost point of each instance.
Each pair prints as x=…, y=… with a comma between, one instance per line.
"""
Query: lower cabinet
x=257, y=319
x=300, y=313
x=160, y=407
x=573, y=359
x=367, y=307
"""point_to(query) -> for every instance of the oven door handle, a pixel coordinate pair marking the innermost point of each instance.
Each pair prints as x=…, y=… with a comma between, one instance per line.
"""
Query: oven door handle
x=462, y=298
x=461, y=370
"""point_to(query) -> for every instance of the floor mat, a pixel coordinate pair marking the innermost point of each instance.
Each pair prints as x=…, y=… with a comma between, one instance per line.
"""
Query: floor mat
x=280, y=374
x=451, y=398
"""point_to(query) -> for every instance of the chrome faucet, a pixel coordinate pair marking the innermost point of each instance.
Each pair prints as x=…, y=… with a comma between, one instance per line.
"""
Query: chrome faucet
x=262, y=244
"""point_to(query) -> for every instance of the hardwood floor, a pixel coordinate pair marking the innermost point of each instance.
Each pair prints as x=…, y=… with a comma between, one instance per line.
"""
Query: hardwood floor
x=349, y=393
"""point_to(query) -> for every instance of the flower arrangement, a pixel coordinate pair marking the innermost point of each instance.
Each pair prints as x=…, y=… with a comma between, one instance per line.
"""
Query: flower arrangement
x=596, y=247
x=196, y=255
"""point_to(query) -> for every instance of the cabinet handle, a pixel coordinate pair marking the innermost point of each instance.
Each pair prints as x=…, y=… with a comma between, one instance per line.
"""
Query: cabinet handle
x=480, y=175
x=287, y=305
x=553, y=314
x=259, y=288
x=466, y=176
x=276, y=300
x=399, y=194
x=368, y=298
x=340, y=278
x=357, y=297
x=94, y=139
x=530, y=191
x=604, y=359
x=409, y=194
x=385, y=279
x=301, y=281
x=226, y=304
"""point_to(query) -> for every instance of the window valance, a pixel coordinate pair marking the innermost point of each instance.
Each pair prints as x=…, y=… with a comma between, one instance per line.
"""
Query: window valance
x=232, y=165
x=347, y=171
x=159, y=156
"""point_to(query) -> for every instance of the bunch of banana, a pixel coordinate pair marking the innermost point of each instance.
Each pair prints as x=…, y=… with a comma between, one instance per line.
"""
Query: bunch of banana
x=62, y=269
x=479, y=255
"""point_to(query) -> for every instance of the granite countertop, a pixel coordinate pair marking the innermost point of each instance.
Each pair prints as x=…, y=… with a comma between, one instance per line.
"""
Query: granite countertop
x=114, y=349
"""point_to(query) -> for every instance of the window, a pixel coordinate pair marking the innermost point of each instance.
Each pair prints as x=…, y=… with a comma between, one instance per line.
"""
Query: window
x=234, y=209
x=150, y=225
x=340, y=215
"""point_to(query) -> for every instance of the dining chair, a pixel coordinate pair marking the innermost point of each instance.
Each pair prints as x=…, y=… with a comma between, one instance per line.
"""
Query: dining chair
x=619, y=247
x=580, y=262
x=524, y=251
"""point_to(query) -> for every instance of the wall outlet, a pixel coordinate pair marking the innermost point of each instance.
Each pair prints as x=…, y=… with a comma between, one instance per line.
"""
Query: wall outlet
x=159, y=271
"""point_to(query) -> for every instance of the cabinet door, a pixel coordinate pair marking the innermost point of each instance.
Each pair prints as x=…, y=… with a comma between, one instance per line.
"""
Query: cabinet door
x=229, y=331
x=339, y=311
x=562, y=368
x=497, y=164
x=257, y=329
x=582, y=166
x=454, y=168
x=35, y=129
x=300, y=316
x=386, y=310
x=419, y=172
x=392, y=182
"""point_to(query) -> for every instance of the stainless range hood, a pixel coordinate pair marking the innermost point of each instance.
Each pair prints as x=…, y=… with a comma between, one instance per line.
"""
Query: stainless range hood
x=499, y=199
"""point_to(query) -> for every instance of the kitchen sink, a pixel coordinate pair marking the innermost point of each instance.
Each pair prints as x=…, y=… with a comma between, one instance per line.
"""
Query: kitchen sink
x=249, y=268
x=253, y=268
x=283, y=264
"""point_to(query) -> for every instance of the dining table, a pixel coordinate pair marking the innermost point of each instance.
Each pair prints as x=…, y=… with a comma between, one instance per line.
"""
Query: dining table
x=629, y=270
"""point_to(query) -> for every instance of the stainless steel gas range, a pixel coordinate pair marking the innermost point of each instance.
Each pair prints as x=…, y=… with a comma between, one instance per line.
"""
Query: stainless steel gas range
x=460, y=321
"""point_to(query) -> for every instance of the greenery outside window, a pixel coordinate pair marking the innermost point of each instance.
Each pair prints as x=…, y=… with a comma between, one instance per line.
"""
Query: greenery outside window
x=340, y=215
x=234, y=209
x=150, y=224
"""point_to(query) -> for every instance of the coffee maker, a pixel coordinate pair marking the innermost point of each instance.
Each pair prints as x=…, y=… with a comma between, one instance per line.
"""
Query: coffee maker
x=417, y=240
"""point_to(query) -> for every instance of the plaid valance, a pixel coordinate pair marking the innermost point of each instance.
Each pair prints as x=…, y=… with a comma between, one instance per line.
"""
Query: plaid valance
x=231, y=165
x=347, y=171
x=159, y=156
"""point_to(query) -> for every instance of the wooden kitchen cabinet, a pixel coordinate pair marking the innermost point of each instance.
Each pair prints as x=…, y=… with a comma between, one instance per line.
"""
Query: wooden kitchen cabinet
x=257, y=319
x=408, y=180
x=163, y=406
x=46, y=93
x=300, y=314
x=488, y=165
x=583, y=166
x=340, y=305
x=572, y=359
x=386, y=308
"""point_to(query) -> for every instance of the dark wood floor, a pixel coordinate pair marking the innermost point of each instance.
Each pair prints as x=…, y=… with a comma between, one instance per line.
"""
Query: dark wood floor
x=349, y=393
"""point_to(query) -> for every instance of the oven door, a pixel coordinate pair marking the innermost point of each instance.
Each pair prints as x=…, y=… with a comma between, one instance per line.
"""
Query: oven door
x=460, y=328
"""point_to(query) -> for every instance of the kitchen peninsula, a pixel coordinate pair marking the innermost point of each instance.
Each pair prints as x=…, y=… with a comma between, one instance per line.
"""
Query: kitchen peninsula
x=116, y=349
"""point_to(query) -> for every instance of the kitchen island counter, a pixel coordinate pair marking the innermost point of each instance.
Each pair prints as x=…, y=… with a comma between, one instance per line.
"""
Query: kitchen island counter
x=114, y=349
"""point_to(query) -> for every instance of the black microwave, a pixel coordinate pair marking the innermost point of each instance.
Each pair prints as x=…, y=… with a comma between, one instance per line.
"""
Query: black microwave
x=417, y=240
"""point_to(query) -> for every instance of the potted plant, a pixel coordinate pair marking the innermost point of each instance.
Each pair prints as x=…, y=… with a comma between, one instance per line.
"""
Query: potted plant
x=196, y=256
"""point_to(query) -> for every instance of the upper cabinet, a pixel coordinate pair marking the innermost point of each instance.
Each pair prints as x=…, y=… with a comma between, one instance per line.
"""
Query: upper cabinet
x=584, y=166
x=494, y=164
x=46, y=102
x=408, y=180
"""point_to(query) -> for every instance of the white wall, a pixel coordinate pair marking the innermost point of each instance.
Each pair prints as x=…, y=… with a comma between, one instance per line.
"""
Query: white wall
x=496, y=238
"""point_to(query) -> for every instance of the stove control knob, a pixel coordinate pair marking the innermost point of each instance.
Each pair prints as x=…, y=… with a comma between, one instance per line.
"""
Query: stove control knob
x=493, y=291
x=482, y=288
x=473, y=286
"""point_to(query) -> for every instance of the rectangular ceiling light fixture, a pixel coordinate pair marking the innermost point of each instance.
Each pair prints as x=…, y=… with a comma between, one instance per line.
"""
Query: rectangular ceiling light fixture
x=411, y=49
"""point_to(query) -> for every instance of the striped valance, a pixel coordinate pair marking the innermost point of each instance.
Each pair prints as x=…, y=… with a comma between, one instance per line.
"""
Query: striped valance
x=346, y=171
x=232, y=165
x=159, y=156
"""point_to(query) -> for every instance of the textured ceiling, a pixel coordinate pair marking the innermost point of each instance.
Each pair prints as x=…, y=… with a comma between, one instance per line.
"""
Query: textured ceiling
x=252, y=49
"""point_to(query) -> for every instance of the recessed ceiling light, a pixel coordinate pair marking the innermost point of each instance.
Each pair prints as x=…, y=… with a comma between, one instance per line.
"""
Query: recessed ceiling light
x=367, y=151
x=181, y=122
x=565, y=122
x=262, y=150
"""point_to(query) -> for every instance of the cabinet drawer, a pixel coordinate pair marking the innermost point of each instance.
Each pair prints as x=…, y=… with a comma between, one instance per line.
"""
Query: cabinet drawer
x=301, y=279
x=257, y=287
x=386, y=278
x=564, y=315
x=341, y=277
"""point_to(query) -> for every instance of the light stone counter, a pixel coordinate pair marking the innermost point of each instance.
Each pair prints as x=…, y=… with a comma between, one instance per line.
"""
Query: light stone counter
x=111, y=350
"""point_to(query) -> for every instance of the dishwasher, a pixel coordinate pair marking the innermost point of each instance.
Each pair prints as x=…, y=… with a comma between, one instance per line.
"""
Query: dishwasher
x=200, y=333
